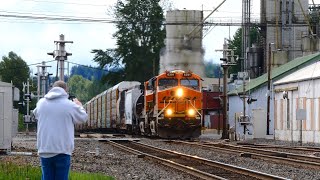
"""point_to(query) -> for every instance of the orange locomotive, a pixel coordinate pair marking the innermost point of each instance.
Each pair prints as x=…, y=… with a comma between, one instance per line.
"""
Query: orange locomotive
x=172, y=105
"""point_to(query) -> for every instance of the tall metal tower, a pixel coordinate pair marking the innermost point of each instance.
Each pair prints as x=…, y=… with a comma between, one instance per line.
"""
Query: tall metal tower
x=246, y=12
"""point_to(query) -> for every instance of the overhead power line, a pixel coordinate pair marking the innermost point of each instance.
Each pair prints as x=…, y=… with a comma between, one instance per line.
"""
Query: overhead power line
x=21, y=66
x=52, y=18
x=210, y=22
x=72, y=3
x=40, y=63
x=95, y=68
x=52, y=14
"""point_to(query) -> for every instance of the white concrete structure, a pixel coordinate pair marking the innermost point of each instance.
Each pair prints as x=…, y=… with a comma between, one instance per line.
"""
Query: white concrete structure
x=6, y=112
x=183, y=42
x=296, y=93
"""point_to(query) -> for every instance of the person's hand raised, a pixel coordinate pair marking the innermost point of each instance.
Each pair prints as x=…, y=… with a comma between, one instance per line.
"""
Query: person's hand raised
x=75, y=100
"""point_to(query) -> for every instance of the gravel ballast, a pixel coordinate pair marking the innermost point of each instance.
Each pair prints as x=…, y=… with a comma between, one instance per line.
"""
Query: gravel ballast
x=121, y=165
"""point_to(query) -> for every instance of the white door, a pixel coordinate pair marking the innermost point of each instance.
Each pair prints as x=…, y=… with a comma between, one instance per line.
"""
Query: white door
x=259, y=123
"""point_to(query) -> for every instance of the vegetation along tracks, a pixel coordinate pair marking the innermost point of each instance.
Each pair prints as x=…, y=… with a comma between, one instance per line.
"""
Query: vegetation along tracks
x=256, y=153
x=196, y=166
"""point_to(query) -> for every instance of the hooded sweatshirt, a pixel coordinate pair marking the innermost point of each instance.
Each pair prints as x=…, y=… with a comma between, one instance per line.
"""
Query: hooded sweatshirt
x=56, y=116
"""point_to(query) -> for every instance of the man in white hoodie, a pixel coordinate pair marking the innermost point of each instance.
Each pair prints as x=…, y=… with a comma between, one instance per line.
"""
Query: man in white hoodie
x=56, y=116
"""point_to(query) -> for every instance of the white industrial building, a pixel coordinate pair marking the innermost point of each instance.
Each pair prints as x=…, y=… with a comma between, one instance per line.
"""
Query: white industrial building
x=297, y=105
x=8, y=115
x=257, y=89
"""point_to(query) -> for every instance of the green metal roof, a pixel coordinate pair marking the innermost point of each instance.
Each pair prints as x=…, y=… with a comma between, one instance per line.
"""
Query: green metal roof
x=278, y=72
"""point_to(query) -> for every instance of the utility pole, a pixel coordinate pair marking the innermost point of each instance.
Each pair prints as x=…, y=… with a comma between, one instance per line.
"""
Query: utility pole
x=42, y=80
x=225, y=108
x=38, y=83
x=269, y=85
x=27, y=97
x=229, y=59
x=60, y=54
x=244, y=94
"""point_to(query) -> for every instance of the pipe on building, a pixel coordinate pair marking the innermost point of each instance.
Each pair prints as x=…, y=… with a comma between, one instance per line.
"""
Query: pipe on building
x=306, y=19
x=277, y=24
x=283, y=22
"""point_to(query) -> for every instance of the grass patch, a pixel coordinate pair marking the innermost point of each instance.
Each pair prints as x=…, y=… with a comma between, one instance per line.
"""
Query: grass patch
x=12, y=171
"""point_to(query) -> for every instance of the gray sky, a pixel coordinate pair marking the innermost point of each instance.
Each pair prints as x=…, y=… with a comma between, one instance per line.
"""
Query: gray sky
x=32, y=39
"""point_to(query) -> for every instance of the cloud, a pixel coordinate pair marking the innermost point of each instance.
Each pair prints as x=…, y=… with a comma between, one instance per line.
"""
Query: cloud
x=32, y=39
x=93, y=8
x=8, y=4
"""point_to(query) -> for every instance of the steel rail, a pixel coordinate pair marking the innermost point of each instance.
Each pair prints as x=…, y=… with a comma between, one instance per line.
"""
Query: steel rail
x=186, y=169
x=293, y=148
x=277, y=153
x=215, y=164
x=274, y=156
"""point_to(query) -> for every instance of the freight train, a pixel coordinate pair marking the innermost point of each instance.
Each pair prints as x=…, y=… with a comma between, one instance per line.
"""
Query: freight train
x=167, y=106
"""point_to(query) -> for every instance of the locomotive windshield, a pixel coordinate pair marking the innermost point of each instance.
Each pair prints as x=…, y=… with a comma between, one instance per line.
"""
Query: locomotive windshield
x=167, y=83
x=191, y=83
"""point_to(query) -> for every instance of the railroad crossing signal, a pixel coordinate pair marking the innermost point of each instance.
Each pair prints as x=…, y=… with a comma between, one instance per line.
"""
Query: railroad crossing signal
x=60, y=54
x=231, y=58
x=250, y=100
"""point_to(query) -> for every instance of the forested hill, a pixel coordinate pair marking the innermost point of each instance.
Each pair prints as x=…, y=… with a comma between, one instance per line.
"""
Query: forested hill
x=88, y=72
x=95, y=73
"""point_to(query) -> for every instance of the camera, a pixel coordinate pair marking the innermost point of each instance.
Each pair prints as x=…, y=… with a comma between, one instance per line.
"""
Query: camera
x=71, y=97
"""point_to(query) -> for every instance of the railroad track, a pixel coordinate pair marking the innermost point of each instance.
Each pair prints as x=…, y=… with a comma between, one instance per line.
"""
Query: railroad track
x=195, y=166
x=296, y=160
x=291, y=148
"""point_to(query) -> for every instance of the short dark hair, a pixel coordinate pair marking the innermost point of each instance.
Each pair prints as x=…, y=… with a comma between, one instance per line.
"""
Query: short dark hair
x=61, y=84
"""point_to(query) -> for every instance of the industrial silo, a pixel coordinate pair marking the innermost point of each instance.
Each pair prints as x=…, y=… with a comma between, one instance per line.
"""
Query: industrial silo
x=183, y=48
x=255, y=64
x=283, y=22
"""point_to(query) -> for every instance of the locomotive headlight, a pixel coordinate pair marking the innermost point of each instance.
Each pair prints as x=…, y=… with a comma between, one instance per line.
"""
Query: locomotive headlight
x=169, y=112
x=191, y=112
x=179, y=92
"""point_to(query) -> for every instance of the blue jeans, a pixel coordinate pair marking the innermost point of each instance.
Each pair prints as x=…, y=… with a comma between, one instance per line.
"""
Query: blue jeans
x=55, y=168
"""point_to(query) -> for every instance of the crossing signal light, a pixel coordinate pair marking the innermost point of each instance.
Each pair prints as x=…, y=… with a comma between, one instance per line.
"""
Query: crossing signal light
x=250, y=100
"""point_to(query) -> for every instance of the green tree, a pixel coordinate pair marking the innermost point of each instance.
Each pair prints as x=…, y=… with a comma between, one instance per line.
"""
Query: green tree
x=212, y=70
x=78, y=87
x=84, y=89
x=139, y=38
x=236, y=43
x=14, y=69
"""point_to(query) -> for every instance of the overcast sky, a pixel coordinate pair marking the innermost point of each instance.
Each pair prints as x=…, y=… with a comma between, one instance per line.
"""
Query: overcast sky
x=32, y=39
